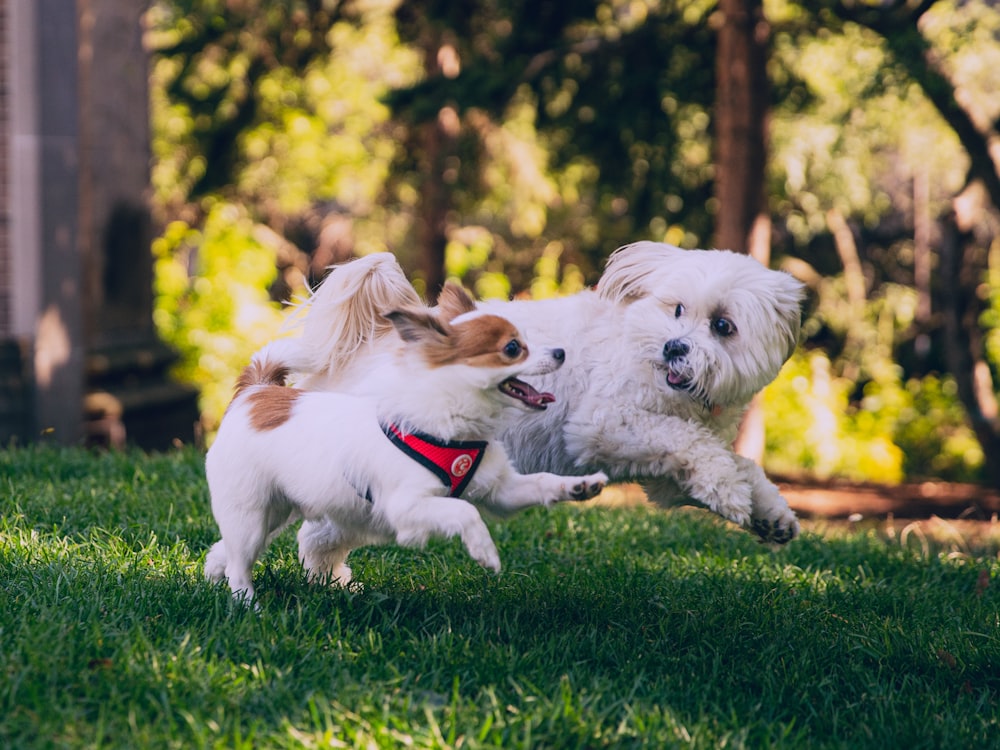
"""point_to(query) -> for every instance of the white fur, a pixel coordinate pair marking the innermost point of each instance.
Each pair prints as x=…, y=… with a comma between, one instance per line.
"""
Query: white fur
x=615, y=410
x=330, y=452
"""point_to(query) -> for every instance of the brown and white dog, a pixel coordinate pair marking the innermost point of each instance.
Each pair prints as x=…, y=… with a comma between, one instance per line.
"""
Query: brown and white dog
x=405, y=458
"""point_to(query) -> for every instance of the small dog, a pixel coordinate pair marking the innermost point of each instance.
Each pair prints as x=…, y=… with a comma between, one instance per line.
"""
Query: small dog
x=390, y=462
x=662, y=361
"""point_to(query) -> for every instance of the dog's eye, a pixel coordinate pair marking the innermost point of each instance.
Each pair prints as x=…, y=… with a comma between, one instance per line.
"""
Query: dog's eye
x=678, y=311
x=513, y=349
x=723, y=327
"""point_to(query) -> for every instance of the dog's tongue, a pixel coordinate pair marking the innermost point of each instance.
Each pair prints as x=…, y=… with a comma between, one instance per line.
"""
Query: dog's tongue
x=675, y=378
x=526, y=394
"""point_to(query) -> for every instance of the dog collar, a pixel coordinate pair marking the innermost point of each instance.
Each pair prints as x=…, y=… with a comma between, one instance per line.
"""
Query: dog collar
x=454, y=462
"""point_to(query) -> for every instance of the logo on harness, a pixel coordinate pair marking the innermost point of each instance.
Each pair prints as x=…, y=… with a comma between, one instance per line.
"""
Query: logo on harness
x=461, y=465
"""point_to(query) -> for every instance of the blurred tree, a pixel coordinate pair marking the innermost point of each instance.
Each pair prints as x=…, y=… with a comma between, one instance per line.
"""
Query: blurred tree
x=963, y=235
x=742, y=100
x=271, y=145
x=563, y=114
x=522, y=142
x=219, y=52
x=862, y=164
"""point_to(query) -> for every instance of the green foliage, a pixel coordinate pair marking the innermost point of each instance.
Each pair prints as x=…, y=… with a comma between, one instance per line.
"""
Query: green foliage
x=858, y=415
x=991, y=317
x=619, y=95
x=211, y=58
x=607, y=628
x=853, y=132
x=819, y=426
x=813, y=429
x=290, y=93
x=933, y=432
x=849, y=137
x=212, y=303
x=294, y=103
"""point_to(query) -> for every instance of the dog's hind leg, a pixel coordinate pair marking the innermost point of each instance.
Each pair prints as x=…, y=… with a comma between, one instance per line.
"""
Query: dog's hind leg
x=215, y=562
x=323, y=550
x=244, y=538
x=242, y=554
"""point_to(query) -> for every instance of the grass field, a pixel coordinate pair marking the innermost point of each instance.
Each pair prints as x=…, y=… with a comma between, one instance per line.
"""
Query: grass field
x=609, y=627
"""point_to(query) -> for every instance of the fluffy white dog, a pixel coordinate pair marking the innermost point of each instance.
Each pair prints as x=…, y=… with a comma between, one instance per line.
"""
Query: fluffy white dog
x=662, y=360
x=404, y=458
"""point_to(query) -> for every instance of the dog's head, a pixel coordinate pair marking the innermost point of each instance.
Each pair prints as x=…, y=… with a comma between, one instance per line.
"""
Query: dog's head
x=468, y=350
x=716, y=325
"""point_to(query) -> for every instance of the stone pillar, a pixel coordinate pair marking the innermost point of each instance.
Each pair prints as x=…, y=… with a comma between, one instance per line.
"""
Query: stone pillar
x=129, y=394
x=45, y=291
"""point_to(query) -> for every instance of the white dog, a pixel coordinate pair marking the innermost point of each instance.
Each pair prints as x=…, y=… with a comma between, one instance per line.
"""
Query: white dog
x=387, y=465
x=662, y=361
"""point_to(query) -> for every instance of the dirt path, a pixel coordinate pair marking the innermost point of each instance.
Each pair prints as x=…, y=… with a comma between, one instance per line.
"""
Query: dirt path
x=906, y=501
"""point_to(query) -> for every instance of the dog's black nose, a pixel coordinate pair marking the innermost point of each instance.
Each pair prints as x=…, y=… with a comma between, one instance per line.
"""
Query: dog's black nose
x=559, y=355
x=675, y=349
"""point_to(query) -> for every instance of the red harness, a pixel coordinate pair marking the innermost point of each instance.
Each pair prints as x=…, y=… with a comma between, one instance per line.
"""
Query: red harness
x=454, y=462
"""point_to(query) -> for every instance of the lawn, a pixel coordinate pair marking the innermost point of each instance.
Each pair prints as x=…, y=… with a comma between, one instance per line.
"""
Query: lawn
x=608, y=627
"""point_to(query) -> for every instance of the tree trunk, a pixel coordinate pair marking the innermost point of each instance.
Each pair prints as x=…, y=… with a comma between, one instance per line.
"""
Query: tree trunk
x=741, y=106
x=437, y=140
x=963, y=263
x=432, y=228
x=742, y=220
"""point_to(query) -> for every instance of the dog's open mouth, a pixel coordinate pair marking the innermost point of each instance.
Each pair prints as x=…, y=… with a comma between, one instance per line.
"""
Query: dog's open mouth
x=526, y=394
x=678, y=380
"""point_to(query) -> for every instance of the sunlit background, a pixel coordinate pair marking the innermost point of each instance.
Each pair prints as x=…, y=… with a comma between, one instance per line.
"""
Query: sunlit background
x=292, y=135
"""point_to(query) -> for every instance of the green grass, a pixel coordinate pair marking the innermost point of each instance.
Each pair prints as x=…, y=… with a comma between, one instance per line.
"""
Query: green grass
x=607, y=628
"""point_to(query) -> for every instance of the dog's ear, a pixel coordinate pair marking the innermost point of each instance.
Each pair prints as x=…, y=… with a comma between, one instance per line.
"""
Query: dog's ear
x=631, y=270
x=417, y=326
x=786, y=293
x=454, y=301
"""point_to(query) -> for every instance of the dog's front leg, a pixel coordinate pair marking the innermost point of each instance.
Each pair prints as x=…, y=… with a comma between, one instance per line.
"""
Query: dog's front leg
x=416, y=519
x=771, y=518
x=323, y=550
x=499, y=487
x=641, y=444
x=521, y=491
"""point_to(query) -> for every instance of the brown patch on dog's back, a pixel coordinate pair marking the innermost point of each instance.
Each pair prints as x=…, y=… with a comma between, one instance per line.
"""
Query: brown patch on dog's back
x=270, y=403
x=271, y=406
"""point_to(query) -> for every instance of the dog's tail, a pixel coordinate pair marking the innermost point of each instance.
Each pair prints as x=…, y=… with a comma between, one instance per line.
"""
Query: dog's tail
x=346, y=312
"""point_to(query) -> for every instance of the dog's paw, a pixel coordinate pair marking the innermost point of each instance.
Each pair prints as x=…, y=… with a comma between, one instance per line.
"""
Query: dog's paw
x=482, y=549
x=215, y=562
x=775, y=531
x=339, y=577
x=588, y=486
x=733, y=502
